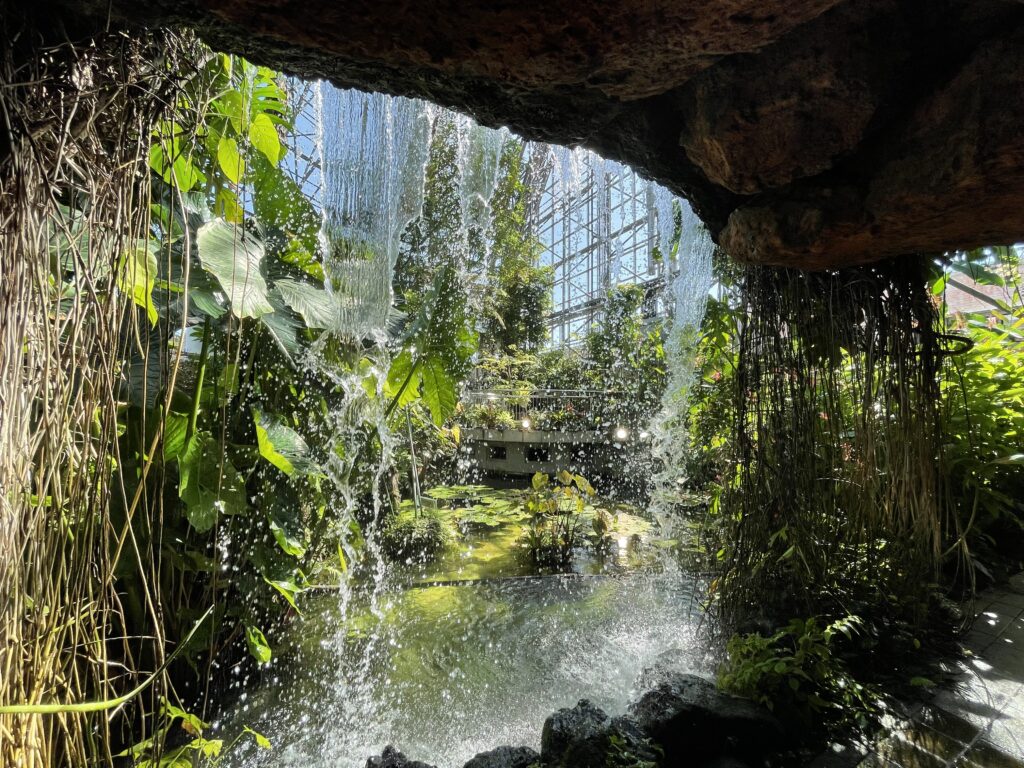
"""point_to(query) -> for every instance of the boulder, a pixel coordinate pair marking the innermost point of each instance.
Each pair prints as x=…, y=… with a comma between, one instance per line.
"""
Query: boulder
x=694, y=722
x=567, y=726
x=666, y=664
x=392, y=758
x=505, y=757
x=584, y=737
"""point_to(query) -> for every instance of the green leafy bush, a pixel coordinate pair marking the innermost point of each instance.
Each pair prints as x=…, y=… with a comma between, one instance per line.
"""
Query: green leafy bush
x=417, y=538
x=797, y=673
x=555, y=509
x=983, y=430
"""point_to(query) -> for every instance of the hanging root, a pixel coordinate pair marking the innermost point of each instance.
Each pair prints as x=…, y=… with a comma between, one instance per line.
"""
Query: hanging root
x=75, y=126
x=834, y=499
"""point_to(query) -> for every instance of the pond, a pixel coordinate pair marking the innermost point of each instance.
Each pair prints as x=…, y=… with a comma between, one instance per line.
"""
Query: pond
x=465, y=654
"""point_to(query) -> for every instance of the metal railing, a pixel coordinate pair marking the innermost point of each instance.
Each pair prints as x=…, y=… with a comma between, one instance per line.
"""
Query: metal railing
x=524, y=405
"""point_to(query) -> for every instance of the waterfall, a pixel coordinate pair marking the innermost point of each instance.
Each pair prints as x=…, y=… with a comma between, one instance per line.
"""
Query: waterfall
x=373, y=152
x=689, y=292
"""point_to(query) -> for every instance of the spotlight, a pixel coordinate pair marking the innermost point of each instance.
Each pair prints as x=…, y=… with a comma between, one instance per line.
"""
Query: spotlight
x=526, y=423
x=621, y=433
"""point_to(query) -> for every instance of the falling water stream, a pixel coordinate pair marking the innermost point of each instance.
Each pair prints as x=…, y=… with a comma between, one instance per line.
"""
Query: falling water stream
x=441, y=665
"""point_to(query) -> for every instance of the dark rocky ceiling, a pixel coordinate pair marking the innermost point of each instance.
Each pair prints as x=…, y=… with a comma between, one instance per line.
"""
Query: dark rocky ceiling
x=804, y=132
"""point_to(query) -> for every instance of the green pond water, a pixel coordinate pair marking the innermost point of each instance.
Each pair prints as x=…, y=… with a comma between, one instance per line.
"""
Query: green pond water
x=469, y=652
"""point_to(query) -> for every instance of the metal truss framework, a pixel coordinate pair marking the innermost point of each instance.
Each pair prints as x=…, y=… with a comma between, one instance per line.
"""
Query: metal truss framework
x=597, y=231
x=601, y=234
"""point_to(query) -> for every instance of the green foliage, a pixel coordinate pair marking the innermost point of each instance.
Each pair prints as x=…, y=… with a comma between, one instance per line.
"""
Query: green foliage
x=983, y=435
x=197, y=752
x=416, y=538
x=520, y=297
x=433, y=242
x=630, y=356
x=232, y=294
x=798, y=673
x=555, y=509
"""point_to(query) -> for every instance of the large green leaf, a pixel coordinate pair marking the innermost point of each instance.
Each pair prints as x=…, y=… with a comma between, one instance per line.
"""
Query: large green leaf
x=175, y=430
x=204, y=300
x=438, y=389
x=231, y=105
x=317, y=307
x=137, y=276
x=279, y=444
x=401, y=369
x=258, y=645
x=264, y=138
x=230, y=160
x=280, y=203
x=283, y=326
x=233, y=257
x=208, y=483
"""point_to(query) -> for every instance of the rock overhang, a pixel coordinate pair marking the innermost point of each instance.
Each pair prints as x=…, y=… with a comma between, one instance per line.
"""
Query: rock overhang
x=808, y=133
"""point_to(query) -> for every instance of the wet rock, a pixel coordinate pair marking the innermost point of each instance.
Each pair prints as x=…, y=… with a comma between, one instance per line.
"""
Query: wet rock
x=726, y=762
x=692, y=721
x=666, y=664
x=392, y=758
x=567, y=726
x=584, y=737
x=505, y=757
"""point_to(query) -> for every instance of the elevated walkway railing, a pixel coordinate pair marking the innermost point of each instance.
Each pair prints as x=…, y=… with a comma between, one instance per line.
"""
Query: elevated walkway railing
x=526, y=405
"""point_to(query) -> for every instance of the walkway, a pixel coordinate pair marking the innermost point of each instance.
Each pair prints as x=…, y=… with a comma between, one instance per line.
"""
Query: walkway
x=977, y=723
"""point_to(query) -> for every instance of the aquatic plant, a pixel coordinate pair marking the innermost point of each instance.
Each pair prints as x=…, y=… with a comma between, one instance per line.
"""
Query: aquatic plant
x=555, y=510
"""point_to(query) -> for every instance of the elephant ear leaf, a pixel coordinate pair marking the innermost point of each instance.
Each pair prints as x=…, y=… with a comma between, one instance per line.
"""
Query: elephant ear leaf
x=209, y=484
x=234, y=257
x=279, y=444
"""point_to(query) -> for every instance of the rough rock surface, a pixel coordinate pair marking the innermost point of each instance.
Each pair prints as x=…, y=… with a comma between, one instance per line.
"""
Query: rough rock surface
x=505, y=757
x=585, y=737
x=805, y=132
x=692, y=721
x=566, y=726
x=392, y=758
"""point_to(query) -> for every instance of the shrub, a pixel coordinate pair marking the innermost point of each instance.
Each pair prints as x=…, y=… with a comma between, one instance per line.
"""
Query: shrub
x=983, y=429
x=555, y=510
x=797, y=673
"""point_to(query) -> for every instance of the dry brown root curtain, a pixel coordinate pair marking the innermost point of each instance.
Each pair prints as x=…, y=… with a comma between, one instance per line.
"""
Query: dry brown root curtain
x=76, y=118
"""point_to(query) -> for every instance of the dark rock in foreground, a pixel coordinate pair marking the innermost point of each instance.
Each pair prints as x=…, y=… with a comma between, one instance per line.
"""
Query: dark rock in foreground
x=567, y=726
x=683, y=720
x=693, y=721
x=505, y=757
x=584, y=737
x=392, y=758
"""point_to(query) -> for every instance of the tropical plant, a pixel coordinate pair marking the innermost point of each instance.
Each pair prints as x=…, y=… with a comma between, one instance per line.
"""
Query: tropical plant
x=555, y=508
x=798, y=673
x=983, y=413
x=628, y=357
x=520, y=296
